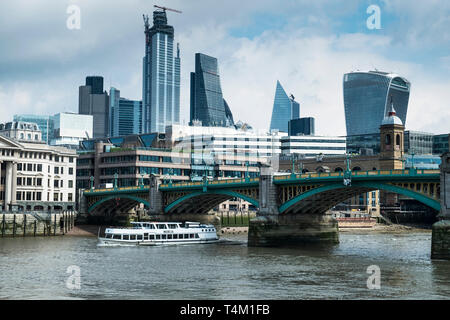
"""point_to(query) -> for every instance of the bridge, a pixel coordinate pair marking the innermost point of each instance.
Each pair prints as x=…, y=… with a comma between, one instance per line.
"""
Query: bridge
x=284, y=202
x=312, y=193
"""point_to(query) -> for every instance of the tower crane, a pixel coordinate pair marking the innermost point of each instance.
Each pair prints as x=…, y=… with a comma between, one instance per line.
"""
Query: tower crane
x=164, y=8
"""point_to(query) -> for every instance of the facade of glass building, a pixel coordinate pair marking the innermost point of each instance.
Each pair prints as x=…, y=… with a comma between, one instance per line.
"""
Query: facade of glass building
x=161, y=76
x=418, y=142
x=45, y=124
x=285, y=108
x=367, y=97
x=302, y=126
x=207, y=103
x=96, y=84
x=441, y=143
x=367, y=144
x=125, y=115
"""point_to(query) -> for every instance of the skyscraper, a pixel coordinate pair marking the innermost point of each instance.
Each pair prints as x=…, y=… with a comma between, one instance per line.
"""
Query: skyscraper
x=367, y=98
x=207, y=103
x=125, y=115
x=284, y=109
x=161, y=76
x=94, y=101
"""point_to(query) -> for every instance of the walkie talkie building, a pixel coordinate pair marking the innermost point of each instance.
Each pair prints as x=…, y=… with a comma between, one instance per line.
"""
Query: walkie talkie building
x=367, y=97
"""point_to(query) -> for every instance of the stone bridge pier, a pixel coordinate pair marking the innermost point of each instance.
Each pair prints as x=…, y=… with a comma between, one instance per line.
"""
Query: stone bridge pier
x=270, y=228
x=440, y=242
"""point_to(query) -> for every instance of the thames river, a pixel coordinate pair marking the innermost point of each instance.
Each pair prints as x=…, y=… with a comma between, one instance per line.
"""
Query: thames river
x=36, y=268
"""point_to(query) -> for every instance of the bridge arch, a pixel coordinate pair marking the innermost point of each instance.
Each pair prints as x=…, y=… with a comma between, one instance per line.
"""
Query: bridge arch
x=206, y=200
x=134, y=200
x=326, y=197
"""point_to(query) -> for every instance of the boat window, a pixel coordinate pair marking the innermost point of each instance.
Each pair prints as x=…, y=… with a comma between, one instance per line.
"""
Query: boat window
x=109, y=235
x=145, y=236
x=117, y=236
x=186, y=236
x=126, y=237
x=139, y=236
x=172, y=226
x=162, y=226
x=152, y=237
x=169, y=236
x=132, y=237
x=191, y=235
x=197, y=236
x=152, y=226
x=163, y=236
x=158, y=236
x=175, y=236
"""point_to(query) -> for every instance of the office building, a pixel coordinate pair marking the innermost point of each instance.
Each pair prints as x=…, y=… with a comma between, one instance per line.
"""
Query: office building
x=96, y=84
x=441, y=143
x=21, y=131
x=285, y=108
x=417, y=142
x=35, y=176
x=161, y=75
x=312, y=146
x=207, y=104
x=364, y=144
x=125, y=115
x=94, y=101
x=45, y=124
x=70, y=129
x=367, y=97
x=302, y=126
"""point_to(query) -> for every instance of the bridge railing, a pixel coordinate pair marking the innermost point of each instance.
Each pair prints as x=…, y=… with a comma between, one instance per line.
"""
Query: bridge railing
x=209, y=183
x=358, y=173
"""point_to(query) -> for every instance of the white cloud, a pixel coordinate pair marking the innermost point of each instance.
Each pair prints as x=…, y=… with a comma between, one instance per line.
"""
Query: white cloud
x=43, y=63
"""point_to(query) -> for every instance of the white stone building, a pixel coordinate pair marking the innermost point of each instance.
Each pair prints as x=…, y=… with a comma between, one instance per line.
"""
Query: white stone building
x=36, y=177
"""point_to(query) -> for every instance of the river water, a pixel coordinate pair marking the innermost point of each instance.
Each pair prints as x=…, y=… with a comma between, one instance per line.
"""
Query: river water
x=36, y=268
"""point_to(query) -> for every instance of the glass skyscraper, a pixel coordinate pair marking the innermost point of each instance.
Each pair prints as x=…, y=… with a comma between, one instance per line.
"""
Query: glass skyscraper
x=161, y=76
x=207, y=103
x=285, y=108
x=125, y=115
x=367, y=97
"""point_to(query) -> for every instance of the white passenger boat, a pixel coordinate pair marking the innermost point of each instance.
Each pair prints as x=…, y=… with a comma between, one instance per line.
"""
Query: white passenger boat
x=158, y=233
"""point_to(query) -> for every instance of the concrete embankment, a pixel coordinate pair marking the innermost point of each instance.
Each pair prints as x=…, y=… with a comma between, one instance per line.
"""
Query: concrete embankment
x=36, y=224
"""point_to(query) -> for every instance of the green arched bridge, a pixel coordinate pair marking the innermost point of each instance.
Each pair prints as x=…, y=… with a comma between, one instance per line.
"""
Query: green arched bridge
x=284, y=194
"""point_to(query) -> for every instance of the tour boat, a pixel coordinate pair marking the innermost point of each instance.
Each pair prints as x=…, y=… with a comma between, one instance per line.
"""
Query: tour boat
x=158, y=233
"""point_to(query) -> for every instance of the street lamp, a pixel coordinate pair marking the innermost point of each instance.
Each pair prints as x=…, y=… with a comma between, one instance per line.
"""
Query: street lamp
x=116, y=176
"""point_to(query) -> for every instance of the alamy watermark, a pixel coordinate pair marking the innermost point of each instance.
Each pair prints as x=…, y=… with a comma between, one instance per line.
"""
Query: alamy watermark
x=374, y=280
x=73, y=282
x=374, y=20
x=73, y=21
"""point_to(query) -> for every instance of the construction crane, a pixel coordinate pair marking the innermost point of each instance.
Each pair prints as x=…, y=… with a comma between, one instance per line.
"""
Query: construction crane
x=164, y=8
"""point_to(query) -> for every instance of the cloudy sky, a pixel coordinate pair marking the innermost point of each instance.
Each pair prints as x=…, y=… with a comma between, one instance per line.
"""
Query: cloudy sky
x=306, y=45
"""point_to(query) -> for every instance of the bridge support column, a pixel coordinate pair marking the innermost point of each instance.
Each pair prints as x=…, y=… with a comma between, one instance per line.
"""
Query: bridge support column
x=440, y=241
x=270, y=228
x=155, y=198
x=292, y=229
